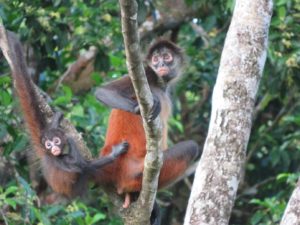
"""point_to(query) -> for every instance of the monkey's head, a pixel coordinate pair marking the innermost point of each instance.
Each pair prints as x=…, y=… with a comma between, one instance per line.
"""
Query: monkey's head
x=166, y=59
x=54, y=141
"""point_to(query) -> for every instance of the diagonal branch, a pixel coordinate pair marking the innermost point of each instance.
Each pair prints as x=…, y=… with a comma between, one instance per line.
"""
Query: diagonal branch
x=7, y=49
x=153, y=160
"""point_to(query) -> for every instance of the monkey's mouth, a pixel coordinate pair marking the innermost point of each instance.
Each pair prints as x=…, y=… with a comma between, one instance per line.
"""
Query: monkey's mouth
x=163, y=71
x=55, y=151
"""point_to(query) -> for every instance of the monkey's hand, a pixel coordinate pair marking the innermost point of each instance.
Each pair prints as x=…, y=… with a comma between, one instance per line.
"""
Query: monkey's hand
x=155, y=110
x=119, y=149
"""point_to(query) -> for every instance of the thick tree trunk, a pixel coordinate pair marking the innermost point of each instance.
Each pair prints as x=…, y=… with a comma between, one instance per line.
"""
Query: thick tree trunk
x=220, y=168
x=291, y=215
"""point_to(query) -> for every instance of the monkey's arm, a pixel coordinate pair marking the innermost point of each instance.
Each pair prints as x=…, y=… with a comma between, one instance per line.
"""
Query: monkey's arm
x=120, y=94
x=72, y=161
x=117, y=150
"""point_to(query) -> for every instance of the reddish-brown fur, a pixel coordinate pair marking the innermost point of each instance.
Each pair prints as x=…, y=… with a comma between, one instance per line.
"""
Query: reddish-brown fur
x=125, y=173
x=60, y=181
x=121, y=172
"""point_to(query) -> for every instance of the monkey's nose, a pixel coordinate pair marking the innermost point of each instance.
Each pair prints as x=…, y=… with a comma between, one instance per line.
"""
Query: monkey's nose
x=55, y=151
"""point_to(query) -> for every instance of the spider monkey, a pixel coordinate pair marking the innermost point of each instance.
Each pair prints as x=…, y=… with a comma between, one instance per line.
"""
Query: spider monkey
x=62, y=153
x=164, y=62
x=65, y=170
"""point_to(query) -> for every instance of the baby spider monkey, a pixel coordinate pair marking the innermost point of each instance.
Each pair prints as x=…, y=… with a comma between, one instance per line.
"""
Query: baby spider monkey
x=62, y=156
x=64, y=169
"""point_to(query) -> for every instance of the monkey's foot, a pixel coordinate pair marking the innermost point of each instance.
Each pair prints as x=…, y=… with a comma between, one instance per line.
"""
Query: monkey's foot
x=127, y=201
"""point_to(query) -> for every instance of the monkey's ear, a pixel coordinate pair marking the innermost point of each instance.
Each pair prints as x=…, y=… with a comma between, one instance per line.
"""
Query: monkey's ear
x=43, y=140
x=66, y=149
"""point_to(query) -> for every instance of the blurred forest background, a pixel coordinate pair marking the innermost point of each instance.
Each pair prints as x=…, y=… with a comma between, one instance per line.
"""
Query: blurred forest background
x=74, y=46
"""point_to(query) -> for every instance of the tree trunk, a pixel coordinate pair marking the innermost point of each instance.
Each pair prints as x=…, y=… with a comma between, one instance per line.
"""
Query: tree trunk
x=221, y=166
x=291, y=215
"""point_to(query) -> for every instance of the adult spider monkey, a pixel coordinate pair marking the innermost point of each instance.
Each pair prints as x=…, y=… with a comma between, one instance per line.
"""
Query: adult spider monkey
x=164, y=63
x=65, y=170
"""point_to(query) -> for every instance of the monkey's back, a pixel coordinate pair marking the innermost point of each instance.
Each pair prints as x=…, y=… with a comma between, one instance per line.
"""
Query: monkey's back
x=125, y=126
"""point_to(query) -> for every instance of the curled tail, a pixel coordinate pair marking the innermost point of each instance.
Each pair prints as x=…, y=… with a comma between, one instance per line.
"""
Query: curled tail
x=13, y=52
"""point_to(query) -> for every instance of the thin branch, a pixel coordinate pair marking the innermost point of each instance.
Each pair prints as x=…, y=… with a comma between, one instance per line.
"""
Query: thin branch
x=78, y=73
x=153, y=159
x=201, y=32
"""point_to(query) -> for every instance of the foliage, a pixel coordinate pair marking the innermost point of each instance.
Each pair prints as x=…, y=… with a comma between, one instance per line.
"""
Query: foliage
x=19, y=205
x=59, y=30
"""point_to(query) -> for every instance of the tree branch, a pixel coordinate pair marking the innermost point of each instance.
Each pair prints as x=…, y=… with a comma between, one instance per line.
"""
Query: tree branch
x=5, y=45
x=291, y=214
x=153, y=160
x=243, y=58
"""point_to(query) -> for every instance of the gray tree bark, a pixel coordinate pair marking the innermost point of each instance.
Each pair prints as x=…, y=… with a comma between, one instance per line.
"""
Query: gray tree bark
x=291, y=214
x=221, y=165
x=140, y=212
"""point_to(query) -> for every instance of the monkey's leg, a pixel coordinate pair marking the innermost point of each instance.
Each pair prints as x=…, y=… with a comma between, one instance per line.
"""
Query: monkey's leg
x=155, y=217
x=176, y=160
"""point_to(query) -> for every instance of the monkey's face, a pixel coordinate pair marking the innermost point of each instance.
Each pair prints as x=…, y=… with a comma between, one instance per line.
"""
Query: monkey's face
x=53, y=141
x=164, y=63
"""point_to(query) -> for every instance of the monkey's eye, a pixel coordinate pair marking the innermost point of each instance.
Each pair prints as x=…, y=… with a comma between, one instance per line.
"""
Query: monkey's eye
x=56, y=140
x=154, y=59
x=48, y=144
x=168, y=57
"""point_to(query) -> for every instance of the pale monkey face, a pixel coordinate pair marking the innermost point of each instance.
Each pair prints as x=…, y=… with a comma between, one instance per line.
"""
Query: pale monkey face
x=161, y=61
x=54, y=146
x=54, y=141
x=165, y=63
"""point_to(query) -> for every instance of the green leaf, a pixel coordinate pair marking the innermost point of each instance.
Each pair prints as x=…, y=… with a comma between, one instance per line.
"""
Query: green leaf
x=281, y=2
x=77, y=110
x=11, y=202
x=3, y=131
x=257, y=218
x=66, y=98
x=25, y=185
x=20, y=143
x=11, y=189
x=282, y=12
x=76, y=214
x=53, y=210
x=5, y=98
x=116, y=61
x=97, y=78
x=98, y=217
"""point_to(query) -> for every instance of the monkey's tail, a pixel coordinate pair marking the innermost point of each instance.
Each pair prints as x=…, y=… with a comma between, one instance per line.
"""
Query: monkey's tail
x=33, y=117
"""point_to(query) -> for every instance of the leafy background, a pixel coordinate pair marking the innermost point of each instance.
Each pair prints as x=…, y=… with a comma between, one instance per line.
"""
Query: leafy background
x=59, y=31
